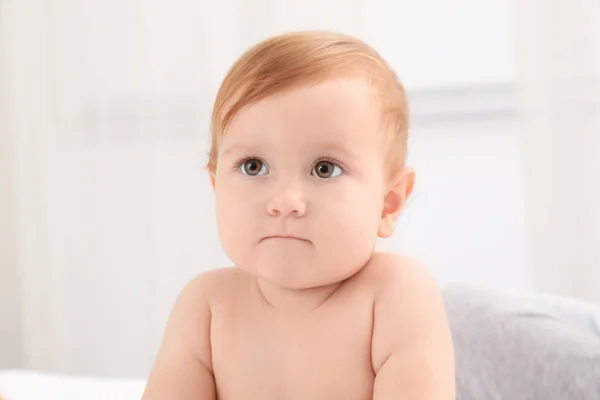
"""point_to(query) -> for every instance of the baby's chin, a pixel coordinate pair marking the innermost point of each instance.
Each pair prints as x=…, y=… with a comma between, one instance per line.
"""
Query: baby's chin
x=296, y=276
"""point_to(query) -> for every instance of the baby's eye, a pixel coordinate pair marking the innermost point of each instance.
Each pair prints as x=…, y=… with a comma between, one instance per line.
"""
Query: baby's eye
x=253, y=167
x=326, y=169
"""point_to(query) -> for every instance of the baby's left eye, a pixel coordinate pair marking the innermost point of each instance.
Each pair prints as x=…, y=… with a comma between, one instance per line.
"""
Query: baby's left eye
x=326, y=169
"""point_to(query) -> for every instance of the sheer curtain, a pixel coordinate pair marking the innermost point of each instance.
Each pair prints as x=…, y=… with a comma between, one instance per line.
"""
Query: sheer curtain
x=109, y=113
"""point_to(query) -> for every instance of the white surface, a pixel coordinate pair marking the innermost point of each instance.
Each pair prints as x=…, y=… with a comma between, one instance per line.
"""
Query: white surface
x=31, y=385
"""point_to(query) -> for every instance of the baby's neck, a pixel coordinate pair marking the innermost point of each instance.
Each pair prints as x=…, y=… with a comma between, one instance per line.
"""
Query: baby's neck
x=295, y=300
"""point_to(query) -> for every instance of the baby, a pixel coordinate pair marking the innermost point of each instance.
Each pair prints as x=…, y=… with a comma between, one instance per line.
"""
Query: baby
x=309, y=136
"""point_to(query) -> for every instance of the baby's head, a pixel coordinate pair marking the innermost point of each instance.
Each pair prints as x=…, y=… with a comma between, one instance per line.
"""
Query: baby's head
x=309, y=133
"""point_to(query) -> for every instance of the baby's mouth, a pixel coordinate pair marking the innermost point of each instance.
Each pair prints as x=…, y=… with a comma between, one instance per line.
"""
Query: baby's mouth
x=286, y=237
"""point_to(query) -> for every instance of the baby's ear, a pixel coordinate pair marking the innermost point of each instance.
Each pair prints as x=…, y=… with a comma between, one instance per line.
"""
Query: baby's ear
x=395, y=199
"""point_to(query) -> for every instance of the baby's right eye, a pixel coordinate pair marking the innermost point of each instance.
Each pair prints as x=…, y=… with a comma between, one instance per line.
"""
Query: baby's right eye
x=253, y=167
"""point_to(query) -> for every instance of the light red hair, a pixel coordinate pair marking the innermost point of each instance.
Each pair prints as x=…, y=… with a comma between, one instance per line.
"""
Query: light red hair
x=299, y=58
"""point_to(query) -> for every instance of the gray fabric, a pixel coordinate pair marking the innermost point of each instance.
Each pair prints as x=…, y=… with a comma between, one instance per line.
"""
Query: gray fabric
x=523, y=347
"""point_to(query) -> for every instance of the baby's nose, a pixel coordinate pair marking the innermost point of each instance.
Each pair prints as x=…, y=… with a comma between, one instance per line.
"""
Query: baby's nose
x=288, y=201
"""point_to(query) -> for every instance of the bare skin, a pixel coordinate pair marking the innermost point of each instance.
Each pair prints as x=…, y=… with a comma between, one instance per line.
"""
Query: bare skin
x=380, y=334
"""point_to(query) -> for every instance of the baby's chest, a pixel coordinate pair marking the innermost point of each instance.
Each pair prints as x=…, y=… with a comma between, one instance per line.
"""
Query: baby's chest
x=316, y=358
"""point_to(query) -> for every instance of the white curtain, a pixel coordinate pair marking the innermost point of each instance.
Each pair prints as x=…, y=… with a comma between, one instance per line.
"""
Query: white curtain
x=558, y=54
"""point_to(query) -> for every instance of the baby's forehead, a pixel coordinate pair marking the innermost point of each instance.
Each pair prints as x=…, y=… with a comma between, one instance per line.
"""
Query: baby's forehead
x=337, y=117
x=333, y=114
x=350, y=98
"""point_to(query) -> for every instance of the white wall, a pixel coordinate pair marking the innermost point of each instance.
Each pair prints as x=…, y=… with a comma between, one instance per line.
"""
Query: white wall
x=448, y=44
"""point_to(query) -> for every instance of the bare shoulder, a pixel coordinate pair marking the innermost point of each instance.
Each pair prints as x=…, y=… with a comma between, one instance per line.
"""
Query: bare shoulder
x=183, y=366
x=210, y=286
x=188, y=325
x=407, y=298
x=410, y=322
x=391, y=271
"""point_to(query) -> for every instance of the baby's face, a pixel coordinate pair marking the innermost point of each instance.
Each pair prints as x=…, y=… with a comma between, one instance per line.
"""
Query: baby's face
x=300, y=184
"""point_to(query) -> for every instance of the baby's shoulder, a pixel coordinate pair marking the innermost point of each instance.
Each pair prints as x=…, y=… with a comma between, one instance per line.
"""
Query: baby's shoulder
x=391, y=270
x=213, y=285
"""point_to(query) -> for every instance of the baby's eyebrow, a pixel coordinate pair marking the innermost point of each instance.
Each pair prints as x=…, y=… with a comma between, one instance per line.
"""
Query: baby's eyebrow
x=336, y=148
x=328, y=147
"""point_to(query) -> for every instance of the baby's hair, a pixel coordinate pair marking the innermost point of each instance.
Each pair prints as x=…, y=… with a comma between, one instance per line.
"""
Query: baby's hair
x=309, y=57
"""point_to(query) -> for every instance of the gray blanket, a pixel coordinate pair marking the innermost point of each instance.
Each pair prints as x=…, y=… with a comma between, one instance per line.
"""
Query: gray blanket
x=523, y=347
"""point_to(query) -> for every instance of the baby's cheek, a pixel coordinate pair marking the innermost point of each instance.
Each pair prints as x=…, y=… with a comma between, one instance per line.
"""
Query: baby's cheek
x=354, y=228
x=235, y=222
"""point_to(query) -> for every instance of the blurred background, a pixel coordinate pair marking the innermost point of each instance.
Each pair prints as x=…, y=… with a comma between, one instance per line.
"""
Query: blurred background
x=106, y=210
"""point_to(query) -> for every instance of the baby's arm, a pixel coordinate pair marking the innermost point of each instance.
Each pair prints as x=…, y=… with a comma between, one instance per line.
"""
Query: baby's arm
x=183, y=367
x=412, y=348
